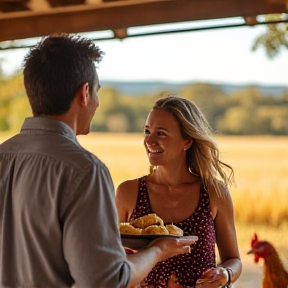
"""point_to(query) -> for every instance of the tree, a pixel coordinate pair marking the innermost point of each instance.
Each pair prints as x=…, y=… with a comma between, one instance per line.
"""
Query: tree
x=275, y=37
x=209, y=98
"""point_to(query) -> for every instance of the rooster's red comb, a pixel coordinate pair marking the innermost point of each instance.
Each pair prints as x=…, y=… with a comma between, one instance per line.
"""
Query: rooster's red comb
x=254, y=240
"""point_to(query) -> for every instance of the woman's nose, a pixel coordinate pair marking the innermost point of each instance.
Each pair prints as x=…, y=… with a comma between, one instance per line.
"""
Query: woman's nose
x=150, y=139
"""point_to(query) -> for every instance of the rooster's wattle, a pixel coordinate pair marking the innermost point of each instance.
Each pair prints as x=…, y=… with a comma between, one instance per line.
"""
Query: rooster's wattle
x=275, y=275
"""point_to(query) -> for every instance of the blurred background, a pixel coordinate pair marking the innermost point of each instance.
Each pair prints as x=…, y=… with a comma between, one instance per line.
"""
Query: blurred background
x=236, y=72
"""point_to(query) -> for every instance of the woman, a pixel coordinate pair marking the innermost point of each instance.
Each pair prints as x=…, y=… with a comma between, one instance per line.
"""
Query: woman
x=188, y=187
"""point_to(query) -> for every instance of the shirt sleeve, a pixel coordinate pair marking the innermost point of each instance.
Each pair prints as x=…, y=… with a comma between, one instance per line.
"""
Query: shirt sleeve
x=91, y=240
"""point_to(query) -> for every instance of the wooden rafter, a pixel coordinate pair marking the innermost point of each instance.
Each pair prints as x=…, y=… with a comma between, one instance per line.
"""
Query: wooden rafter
x=96, y=15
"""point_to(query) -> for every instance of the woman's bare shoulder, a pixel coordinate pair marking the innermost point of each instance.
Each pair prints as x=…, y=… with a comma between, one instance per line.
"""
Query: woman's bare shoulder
x=127, y=191
x=126, y=198
x=127, y=185
x=219, y=200
x=219, y=190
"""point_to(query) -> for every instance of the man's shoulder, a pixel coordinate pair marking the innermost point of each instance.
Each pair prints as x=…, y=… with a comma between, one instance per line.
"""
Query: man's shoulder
x=74, y=154
x=53, y=148
x=89, y=158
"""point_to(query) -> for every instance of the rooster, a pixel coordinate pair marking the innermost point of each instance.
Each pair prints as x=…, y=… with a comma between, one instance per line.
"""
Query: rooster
x=275, y=275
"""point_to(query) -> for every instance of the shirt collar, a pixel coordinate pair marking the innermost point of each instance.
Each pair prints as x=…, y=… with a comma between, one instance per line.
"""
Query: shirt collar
x=48, y=125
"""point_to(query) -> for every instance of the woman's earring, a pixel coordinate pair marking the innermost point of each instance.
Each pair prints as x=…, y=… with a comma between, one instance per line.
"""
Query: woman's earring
x=191, y=171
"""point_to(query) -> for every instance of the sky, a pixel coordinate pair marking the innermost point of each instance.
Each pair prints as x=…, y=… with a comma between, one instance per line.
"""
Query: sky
x=215, y=56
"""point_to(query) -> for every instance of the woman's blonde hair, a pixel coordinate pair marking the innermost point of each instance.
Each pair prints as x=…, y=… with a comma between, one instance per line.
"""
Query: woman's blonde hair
x=202, y=158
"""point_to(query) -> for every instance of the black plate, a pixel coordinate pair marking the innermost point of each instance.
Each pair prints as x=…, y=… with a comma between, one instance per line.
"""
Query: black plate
x=139, y=241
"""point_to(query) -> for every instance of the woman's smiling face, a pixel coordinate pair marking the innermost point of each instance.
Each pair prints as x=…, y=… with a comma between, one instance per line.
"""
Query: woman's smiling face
x=162, y=138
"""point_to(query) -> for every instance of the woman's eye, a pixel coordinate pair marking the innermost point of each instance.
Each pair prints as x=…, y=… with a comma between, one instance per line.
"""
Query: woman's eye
x=146, y=131
x=161, y=134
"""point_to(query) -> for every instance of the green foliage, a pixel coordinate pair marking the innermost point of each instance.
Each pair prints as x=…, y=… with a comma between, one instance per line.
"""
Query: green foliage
x=13, y=102
x=244, y=112
x=275, y=37
x=252, y=113
x=210, y=99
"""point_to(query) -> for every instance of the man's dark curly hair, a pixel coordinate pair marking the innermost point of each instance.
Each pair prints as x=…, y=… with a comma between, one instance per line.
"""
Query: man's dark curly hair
x=56, y=68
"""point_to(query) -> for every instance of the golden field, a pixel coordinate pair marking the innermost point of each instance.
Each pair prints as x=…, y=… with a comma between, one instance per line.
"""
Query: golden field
x=261, y=174
x=260, y=165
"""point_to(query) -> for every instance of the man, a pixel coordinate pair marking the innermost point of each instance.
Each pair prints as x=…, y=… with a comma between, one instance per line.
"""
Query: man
x=58, y=219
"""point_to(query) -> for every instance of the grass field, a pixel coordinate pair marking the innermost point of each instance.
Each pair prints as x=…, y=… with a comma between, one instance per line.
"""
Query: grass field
x=260, y=197
x=261, y=173
x=260, y=164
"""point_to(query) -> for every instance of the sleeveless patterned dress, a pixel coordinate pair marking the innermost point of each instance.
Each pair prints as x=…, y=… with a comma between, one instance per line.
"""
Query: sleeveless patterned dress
x=186, y=267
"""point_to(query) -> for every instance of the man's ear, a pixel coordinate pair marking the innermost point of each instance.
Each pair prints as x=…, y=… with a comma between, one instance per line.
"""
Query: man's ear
x=83, y=94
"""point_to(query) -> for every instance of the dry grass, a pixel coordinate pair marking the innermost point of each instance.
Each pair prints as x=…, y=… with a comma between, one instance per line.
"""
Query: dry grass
x=260, y=164
x=261, y=169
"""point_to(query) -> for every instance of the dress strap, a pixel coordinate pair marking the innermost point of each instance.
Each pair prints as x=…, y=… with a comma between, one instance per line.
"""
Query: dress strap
x=143, y=206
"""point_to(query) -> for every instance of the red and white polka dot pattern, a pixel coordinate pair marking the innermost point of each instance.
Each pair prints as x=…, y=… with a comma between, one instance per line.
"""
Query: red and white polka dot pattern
x=186, y=267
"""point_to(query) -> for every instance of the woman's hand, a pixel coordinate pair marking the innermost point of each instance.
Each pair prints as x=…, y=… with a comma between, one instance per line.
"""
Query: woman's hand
x=213, y=278
x=172, y=282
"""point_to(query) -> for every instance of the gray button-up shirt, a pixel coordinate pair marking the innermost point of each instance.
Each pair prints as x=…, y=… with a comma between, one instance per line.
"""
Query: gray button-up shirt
x=58, y=221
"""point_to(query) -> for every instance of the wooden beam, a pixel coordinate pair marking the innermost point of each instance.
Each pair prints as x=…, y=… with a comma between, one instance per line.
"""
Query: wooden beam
x=38, y=5
x=120, y=33
x=124, y=14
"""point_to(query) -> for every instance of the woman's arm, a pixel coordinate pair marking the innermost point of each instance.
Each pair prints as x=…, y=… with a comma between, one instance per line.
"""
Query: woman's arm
x=223, y=213
x=226, y=237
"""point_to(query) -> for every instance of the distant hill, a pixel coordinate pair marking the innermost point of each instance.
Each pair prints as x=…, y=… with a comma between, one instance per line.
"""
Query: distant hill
x=137, y=88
